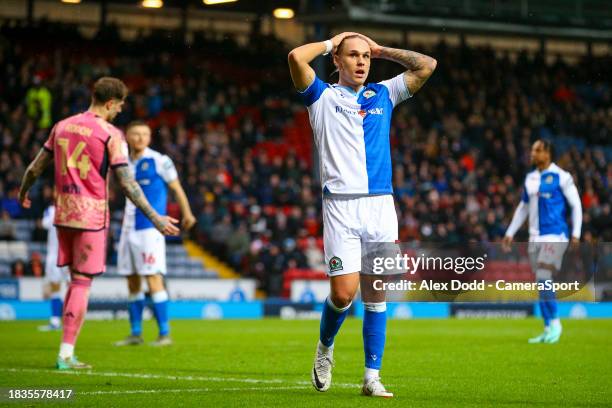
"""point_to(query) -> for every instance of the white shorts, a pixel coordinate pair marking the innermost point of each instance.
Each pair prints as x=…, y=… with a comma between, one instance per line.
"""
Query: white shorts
x=547, y=249
x=141, y=252
x=347, y=222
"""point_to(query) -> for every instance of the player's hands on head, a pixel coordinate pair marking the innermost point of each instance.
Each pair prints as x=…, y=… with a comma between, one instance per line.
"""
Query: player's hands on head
x=337, y=39
x=375, y=49
x=165, y=225
x=24, y=200
x=507, y=244
x=188, y=221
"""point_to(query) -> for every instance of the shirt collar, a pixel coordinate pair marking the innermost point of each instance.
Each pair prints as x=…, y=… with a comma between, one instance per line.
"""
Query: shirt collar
x=142, y=156
x=551, y=166
x=350, y=90
x=90, y=113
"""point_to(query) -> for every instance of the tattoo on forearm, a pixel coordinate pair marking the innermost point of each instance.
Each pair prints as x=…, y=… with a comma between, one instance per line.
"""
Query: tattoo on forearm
x=420, y=66
x=35, y=169
x=28, y=180
x=133, y=192
x=412, y=60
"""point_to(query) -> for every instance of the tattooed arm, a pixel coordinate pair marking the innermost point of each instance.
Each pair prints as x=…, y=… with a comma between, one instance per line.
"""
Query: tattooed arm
x=133, y=192
x=419, y=66
x=33, y=172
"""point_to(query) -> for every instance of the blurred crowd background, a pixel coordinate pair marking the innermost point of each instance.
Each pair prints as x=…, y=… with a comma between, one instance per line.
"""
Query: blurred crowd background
x=239, y=136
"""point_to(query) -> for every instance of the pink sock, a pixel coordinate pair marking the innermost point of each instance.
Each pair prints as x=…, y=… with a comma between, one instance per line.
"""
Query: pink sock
x=75, y=308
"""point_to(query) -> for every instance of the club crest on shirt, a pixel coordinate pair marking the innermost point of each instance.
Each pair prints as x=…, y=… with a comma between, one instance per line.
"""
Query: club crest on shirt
x=548, y=179
x=368, y=94
x=144, y=166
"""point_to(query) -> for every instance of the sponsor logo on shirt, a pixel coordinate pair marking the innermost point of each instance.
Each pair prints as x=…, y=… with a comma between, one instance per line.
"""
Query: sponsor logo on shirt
x=368, y=94
x=340, y=109
x=361, y=112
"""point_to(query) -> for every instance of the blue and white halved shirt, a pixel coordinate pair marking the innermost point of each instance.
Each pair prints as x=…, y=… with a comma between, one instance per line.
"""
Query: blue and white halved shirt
x=545, y=198
x=153, y=171
x=351, y=132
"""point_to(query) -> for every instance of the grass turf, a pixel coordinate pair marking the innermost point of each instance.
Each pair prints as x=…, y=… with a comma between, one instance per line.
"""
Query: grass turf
x=428, y=363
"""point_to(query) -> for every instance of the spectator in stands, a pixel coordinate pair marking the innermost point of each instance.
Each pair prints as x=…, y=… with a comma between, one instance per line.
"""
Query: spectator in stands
x=8, y=229
x=18, y=269
x=314, y=255
x=38, y=102
x=238, y=244
x=220, y=235
x=10, y=203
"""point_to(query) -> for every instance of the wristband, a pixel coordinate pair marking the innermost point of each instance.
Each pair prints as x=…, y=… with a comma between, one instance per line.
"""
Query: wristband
x=328, y=46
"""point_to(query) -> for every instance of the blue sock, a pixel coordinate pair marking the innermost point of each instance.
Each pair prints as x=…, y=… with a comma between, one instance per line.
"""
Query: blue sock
x=374, y=333
x=544, y=312
x=548, y=305
x=331, y=320
x=135, y=308
x=552, y=309
x=160, y=310
x=57, y=305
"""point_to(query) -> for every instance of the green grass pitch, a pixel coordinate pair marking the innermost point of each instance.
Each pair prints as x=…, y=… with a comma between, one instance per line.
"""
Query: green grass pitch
x=428, y=363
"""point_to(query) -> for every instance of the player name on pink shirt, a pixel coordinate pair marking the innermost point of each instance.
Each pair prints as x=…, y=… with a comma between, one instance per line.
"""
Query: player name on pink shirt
x=84, y=146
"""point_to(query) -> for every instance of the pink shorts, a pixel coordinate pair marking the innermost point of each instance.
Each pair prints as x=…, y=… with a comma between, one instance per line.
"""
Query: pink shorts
x=84, y=251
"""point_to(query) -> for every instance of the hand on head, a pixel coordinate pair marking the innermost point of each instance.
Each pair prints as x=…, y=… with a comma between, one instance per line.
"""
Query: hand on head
x=337, y=39
x=375, y=49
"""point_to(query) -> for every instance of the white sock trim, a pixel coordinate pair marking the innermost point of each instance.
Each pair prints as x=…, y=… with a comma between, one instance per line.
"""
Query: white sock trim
x=323, y=348
x=543, y=274
x=377, y=307
x=66, y=350
x=159, y=297
x=336, y=308
x=371, y=373
x=136, y=296
x=56, y=295
x=555, y=322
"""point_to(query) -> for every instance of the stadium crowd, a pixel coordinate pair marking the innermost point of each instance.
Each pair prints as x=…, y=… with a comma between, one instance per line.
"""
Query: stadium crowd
x=240, y=139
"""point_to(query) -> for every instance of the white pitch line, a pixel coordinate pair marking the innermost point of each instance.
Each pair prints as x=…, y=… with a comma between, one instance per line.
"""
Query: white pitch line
x=182, y=390
x=170, y=377
x=148, y=376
